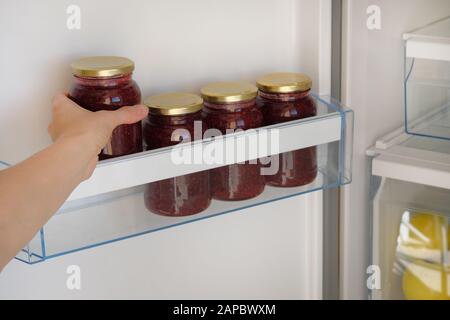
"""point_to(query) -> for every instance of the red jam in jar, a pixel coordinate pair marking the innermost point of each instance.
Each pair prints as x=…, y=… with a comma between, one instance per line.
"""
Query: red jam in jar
x=285, y=97
x=105, y=83
x=232, y=106
x=184, y=195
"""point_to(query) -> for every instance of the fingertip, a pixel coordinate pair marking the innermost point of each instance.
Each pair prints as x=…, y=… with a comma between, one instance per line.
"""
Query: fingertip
x=59, y=96
x=130, y=114
x=143, y=109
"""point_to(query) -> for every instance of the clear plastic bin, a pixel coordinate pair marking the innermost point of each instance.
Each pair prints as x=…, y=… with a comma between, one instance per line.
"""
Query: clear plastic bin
x=427, y=80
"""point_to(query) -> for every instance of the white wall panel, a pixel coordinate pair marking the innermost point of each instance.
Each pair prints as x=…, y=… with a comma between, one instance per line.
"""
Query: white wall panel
x=177, y=45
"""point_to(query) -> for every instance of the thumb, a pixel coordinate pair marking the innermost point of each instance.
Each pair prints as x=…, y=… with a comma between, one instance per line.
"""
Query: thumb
x=129, y=115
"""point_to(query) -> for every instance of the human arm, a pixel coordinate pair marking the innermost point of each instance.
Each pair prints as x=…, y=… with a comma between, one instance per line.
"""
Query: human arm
x=32, y=191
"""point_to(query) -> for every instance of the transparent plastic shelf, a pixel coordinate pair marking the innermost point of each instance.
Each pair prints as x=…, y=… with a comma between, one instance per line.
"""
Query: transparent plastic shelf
x=412, y=159
x=427, y=81
x=110, y=206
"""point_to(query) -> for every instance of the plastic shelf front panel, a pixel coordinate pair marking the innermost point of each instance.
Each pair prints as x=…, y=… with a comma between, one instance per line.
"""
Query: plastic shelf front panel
x=126, y=172
x=431, y=42
x=427, y=81
x=110, y=205
x=412, y=159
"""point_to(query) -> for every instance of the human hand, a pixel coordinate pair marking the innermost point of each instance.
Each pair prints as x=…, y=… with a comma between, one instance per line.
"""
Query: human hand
x=91, y=130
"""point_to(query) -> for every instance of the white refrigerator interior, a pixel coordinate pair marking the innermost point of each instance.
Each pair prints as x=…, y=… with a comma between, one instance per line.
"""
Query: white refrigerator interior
x=269, y=251
x=373, y=78
x=410, y=180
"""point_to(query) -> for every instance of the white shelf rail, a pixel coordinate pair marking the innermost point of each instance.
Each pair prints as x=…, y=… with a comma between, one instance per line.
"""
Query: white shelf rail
x=431, y=42
x=146, y=167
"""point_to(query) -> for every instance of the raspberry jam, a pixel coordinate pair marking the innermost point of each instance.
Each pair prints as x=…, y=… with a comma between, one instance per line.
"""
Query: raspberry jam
x=105, y=83
x=184, y=195
x=285, y=97
x=233, y=106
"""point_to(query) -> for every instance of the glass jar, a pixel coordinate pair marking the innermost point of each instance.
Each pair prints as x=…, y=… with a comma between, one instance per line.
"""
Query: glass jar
x=105, y=83
x=231, y=106
x=285, y=97
x=184, y=195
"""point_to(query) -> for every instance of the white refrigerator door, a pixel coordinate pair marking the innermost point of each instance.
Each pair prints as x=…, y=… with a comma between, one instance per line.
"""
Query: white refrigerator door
x=270, y=251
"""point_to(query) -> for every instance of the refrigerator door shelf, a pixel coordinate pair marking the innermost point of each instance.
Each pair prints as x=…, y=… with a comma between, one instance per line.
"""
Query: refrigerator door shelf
x=110, y=205
x=134, y=170
x=427, y=81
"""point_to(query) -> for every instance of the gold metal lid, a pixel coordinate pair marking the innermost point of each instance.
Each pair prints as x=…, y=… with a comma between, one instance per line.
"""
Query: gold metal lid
x=284, y=82
x=102, y=66
x=172, y=104
x=228, y=92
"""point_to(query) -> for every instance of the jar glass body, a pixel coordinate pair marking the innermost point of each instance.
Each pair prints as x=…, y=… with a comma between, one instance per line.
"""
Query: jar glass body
x=296, y=168
x=111, y=93
x=180, y=196
x=238, y=181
